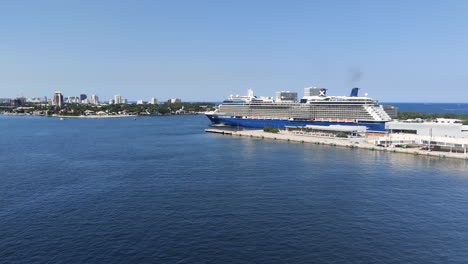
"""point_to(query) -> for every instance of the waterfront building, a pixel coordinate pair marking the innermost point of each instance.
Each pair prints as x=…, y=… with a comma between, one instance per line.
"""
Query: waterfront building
x=58, y=99
x=117, y=99
x=24, y=109
x=140, y=102
x=94, y=99
x=39, y=113
x=289, y=97
x=427, y=142
x=441, y=127
x=89, y=112
x=153, y=101
x=174, y=100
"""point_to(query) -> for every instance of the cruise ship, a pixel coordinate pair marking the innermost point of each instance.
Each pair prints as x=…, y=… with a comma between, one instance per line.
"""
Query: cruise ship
x=315, y=108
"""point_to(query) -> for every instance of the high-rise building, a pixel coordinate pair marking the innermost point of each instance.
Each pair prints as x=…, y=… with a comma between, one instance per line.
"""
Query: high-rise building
x=73, y=100
x=94, y=99
x=140, y=102
x=58, y=99
x=123, y=101
x=19, y=101
x=174, y=100
x=5, y=100
x=111, y=101
x=117, y=99
x=153, y=101
x=83, y=97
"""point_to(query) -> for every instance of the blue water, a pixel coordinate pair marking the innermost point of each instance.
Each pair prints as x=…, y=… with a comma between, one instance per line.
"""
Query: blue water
x=436, y=108
x=160, y=190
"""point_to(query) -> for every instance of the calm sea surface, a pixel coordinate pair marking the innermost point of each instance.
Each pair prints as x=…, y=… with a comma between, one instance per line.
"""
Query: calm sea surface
x=452, y=108
x=160, y=190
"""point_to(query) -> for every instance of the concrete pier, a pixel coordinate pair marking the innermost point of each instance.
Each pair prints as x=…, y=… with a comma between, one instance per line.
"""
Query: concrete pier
x=354, y=142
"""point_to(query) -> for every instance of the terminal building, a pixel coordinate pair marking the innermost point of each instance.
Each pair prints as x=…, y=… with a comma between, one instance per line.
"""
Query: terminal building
x=441, y=127
x=442, y=134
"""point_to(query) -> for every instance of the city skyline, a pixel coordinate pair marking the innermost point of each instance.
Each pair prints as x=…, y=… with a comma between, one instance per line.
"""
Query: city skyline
x=93, y=99
x=396, y=51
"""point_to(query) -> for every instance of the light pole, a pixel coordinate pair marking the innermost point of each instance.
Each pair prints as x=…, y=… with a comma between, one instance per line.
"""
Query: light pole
x=430, y=139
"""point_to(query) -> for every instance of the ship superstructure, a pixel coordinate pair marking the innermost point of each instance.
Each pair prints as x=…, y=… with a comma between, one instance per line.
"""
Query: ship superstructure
x=315, y=108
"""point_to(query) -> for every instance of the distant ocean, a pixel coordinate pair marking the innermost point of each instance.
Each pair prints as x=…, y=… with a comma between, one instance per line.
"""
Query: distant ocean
x=452, y=108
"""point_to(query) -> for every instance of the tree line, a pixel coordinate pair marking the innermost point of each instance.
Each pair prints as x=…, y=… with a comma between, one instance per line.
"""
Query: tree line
x=432, y=116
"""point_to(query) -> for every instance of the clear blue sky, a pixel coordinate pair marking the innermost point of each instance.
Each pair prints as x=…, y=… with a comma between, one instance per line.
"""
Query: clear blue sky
x=413, y=51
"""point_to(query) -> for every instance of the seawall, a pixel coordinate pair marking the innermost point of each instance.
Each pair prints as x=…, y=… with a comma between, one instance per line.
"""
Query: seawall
x=362, y=143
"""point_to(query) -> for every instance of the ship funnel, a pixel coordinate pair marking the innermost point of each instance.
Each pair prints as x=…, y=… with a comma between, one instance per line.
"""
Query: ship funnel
x=354, y=92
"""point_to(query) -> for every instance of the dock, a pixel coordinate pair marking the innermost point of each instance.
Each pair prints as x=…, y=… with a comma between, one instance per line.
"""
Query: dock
x=353, y=142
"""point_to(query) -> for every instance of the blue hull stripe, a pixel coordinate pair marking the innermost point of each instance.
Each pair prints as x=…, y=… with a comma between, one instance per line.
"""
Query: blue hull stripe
x=261, y=123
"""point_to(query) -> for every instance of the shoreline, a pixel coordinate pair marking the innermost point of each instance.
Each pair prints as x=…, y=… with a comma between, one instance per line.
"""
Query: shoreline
x=361, y=143
x=92, y=116
x=95, y=116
